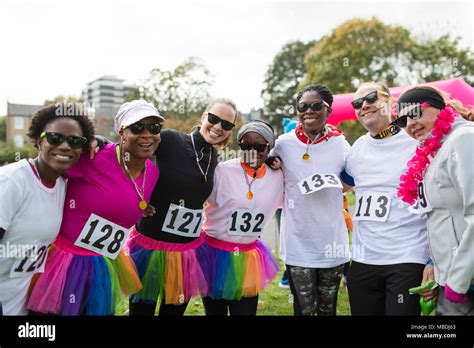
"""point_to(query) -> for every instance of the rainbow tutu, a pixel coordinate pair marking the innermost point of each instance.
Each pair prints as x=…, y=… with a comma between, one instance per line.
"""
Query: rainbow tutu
x=168, y=271
x=235, y=270
x=79, y=282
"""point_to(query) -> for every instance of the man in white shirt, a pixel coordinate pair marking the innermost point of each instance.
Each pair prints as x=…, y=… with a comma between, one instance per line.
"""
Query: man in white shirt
x=389, y=243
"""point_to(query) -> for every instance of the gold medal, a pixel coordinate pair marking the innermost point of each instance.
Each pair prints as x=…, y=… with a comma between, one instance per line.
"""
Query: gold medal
x=143, y=204
x=249, y=195
x=306, y=156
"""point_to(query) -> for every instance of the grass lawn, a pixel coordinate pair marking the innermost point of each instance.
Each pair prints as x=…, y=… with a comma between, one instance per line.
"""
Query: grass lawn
x=272, y=301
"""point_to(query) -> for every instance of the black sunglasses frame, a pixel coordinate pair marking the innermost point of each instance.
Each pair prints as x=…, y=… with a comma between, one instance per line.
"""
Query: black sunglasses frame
x=56, y=139
x=315, y=106
x=257, y=147
x=214, y=119
x=357, y=104
x=141, y=128
x=415, y=114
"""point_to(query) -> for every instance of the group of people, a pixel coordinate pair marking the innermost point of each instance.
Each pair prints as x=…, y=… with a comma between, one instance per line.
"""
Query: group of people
x=157, y=219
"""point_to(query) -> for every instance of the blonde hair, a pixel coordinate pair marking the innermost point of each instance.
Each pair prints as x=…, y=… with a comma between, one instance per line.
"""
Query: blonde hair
x=382, y=86
x=467, y=113
x=228, y=102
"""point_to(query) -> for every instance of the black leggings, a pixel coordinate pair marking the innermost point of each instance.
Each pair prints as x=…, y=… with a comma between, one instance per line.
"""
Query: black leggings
x=245, y=306
x=383, y=289
x=314, y=290
x=148, y=309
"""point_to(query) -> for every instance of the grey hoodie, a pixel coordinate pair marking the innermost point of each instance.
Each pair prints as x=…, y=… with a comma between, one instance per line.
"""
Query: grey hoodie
x=449, y=184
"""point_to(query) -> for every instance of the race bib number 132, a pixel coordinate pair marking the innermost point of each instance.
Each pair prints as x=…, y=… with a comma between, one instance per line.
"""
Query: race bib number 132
x=246, y=223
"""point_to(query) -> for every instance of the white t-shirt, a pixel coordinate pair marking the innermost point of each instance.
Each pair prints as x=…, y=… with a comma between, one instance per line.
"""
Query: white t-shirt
x=376, y=166
x=31, y=215
x=228, y=197
x=313, y=230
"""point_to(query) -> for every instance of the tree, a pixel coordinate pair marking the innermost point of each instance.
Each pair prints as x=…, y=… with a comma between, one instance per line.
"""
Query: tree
x=281, y=82
x=440, y=58
x=369, y=50
x=60, y=99
x=180, y=93
x=358, y=50
x=3, y=129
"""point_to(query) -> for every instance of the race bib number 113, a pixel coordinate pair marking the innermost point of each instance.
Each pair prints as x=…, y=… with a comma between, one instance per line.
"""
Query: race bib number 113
x=372, y=206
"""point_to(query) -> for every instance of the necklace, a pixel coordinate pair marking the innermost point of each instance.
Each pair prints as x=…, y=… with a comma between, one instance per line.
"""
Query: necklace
x=387, y=132
x=306, y=155
x=141, y=192
x=249, y=193
x=199, y=159
x=417, y=165
x=35, y=165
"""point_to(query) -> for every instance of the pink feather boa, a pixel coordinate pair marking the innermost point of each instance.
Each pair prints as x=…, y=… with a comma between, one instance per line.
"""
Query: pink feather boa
x=417, y=165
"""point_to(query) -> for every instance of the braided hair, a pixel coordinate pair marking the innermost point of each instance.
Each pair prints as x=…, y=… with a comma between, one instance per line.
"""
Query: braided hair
x=322, y=90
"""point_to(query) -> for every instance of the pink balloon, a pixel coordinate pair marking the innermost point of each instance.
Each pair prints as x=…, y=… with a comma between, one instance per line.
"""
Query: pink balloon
x=457, y=88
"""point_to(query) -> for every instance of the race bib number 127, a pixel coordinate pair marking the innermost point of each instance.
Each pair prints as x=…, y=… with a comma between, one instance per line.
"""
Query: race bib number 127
x=182, y=221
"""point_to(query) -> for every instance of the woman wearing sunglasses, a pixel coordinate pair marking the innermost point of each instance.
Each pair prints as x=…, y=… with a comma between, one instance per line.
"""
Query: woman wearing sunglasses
x=164, y=245
x=88, y=272
x=32, y=194
x=237, y=265
x=389, y=244
x=440, y=178
x=313, y=233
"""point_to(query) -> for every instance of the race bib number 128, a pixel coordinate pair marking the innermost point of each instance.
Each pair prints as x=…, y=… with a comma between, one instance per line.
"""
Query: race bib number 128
x=102, y=237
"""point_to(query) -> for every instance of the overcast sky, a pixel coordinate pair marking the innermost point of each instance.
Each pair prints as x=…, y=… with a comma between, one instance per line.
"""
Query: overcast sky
x=51, y=48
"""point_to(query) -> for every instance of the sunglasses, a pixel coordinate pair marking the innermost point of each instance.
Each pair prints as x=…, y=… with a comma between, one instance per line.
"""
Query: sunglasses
x=369, y=98
x=258, y=147
x=214, y=119
x=57, y=139
x=414, y=113
x=315, y=106
x=139, y=128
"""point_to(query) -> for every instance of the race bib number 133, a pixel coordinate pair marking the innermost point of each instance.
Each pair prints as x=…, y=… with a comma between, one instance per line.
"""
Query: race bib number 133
x=318, y=182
